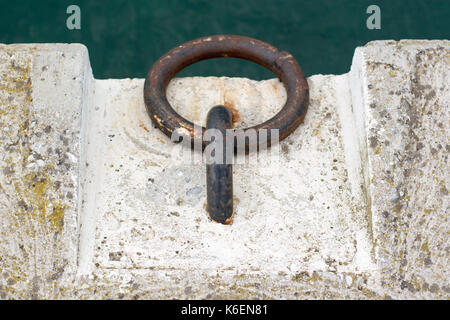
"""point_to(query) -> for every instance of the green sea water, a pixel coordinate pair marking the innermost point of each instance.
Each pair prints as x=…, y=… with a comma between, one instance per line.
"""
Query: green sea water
x=125, y=38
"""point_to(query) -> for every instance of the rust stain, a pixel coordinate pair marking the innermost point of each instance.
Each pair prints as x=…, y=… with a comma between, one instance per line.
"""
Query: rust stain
x=229, y=221
x=160, y=140
x=235, y=112
x=275, y=88
x=142, y=125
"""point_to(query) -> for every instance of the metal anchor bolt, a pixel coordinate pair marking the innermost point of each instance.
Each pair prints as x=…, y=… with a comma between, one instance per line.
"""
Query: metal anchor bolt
x=219, y=173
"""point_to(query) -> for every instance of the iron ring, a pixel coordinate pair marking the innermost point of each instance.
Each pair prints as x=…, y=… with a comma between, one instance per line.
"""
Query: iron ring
x=279, y=62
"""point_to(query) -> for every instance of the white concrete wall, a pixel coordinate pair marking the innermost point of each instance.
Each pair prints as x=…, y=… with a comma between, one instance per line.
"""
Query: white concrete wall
x=97, y=203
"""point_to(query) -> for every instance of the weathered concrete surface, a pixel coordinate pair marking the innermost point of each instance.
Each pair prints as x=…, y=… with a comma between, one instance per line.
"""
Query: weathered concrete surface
x=403, y=118
x=111, y=208
x=42, y=92
x=295, y=210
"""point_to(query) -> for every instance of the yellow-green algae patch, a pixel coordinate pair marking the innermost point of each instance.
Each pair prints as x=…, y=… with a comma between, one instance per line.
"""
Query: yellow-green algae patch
x=33, y=193
x=31, y=188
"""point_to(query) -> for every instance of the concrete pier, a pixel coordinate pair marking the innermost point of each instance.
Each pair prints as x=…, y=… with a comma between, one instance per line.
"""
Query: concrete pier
x=96, y=203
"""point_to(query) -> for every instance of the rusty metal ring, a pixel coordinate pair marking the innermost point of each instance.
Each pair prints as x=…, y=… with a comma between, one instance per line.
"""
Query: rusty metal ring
x=279, y=62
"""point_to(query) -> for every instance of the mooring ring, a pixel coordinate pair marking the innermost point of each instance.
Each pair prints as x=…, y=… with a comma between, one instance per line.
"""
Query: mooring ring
x=279, y=62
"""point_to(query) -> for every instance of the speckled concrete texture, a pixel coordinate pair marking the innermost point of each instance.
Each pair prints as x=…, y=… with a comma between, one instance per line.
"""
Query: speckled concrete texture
x=96, y=203
x=42, y=92
x=295, y=211
x=404, y=113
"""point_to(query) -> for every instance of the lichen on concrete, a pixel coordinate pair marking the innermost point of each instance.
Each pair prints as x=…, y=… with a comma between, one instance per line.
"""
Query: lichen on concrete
x=38, y=184
x=407, y=134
